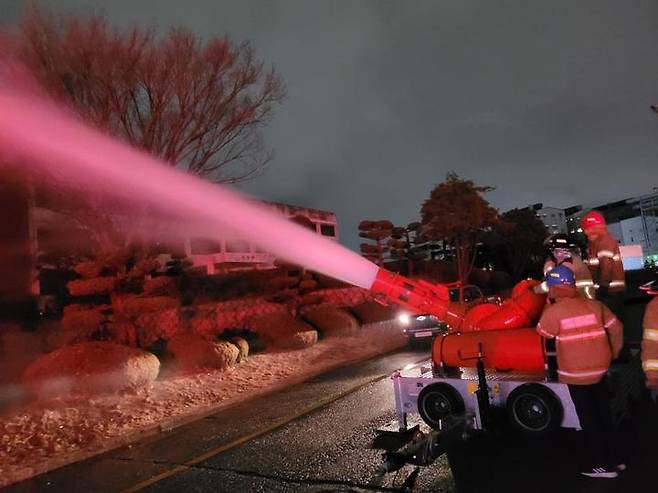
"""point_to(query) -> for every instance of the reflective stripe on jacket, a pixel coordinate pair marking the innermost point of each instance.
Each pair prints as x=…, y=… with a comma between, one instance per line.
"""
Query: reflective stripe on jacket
x=650, y=344
x=605, y=263
x=588, y=337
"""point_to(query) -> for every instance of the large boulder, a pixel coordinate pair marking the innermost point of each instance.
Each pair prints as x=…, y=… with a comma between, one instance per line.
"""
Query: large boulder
x=332, y=321
x=372, y=312
x=282, y=330
x=191, y=351
x=91, y=368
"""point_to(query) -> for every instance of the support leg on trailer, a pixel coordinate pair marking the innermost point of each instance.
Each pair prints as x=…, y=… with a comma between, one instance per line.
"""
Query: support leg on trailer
x=400, y=412
x=424, y=449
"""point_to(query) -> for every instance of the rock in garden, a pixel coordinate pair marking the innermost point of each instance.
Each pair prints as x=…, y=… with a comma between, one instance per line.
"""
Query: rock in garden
x=371, y=312
x=332, y=321
x=243, y=348
x=191, y=351
x=298, y=340
x=91, y=368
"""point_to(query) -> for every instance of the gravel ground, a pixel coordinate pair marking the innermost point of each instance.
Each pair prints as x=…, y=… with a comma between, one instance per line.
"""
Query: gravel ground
x=48, y=434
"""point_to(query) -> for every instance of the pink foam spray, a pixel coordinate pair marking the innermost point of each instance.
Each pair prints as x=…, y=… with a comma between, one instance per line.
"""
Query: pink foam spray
x=49, y=138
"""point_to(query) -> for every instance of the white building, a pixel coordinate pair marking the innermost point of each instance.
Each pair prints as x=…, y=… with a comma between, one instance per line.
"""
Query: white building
x=61, y=236
x=226, y=254
x=636, y=231
x=554, y=219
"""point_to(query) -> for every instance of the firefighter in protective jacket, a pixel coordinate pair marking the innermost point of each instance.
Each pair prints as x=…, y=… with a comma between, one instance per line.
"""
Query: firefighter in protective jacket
x=588, y=337
x=650, y=338
x=604, y=261
x=563, y=251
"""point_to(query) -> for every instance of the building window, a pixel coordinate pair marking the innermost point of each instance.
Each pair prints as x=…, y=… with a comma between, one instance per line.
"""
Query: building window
x=204, y=246
x=237, y=246
x=327, y=230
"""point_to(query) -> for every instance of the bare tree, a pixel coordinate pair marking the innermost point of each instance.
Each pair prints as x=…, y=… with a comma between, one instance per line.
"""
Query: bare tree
x=200, y=105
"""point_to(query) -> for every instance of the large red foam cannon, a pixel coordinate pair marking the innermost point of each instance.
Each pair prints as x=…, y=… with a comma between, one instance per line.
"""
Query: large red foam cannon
x=419, y=296
x=523, y=309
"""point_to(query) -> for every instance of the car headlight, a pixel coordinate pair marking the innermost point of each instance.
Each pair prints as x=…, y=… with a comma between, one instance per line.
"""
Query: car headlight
x=404, y=319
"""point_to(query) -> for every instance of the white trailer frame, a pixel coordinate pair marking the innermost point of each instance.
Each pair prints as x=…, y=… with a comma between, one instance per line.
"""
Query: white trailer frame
x=408, y=384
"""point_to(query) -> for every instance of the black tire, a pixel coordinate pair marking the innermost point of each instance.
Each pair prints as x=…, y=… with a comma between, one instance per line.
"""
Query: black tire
x=534, y=409
x=438, y=401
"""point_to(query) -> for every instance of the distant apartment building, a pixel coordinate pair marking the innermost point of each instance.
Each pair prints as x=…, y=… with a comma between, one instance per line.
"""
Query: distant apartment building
x=553, y=218
x=573, y=215
x=647, y=205
x=632, y=221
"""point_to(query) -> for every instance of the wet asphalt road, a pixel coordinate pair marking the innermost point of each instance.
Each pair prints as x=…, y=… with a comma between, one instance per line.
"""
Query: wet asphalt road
x=256, y=446
x=327, y=448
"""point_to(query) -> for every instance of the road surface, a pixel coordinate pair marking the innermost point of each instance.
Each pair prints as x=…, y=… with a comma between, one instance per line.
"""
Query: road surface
x=316, y=437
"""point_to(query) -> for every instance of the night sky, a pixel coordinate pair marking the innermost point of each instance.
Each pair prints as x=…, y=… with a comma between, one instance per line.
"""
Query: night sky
x=546, y=101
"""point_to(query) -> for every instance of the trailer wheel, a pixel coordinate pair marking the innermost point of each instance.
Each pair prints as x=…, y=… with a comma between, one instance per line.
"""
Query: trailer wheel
x=534, y=409
x=438, y=401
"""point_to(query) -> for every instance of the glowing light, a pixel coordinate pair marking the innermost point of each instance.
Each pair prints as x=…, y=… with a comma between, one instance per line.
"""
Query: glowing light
x=404, y=319
x=49, y=139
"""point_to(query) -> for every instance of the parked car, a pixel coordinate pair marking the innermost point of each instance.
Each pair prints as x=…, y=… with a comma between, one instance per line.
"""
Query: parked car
x=422, y=327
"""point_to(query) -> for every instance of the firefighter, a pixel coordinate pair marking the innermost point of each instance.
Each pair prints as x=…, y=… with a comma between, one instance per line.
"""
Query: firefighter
x=604, y=262
x=588, y=336
x=563, y=251
x=650, y=339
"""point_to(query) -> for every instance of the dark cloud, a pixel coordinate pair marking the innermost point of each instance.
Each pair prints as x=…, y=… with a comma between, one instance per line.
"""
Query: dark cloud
x=547, y=102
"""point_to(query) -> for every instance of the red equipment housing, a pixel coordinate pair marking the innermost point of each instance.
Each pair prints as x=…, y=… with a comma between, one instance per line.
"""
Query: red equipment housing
x=506, y=350
x=501, y=331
